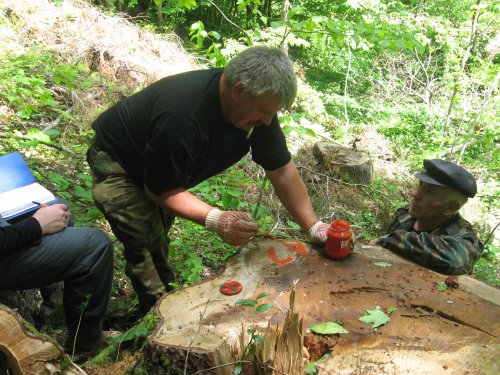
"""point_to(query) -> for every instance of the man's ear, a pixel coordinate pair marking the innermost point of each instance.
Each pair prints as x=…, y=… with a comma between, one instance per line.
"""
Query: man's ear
x=237, y=90
x=452, y=208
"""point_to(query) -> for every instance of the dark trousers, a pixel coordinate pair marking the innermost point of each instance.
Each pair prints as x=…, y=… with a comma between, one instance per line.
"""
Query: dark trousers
x=81, y=257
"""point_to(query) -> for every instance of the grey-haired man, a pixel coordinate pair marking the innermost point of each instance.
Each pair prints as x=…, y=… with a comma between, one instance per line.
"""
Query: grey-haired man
x=430, y=230
x=153, y=146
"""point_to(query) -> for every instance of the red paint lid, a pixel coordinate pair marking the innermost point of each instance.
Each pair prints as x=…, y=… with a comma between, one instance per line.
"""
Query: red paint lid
x=230, y=288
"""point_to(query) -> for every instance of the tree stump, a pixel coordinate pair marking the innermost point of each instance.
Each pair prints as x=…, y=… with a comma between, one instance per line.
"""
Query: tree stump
x=34, y=305
x=337, y=160
x=454, y=331
x=25, y=302
x=23, y=352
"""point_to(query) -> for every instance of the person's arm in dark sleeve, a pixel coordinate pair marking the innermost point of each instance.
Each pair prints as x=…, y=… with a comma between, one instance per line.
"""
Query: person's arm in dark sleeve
x=14, y=237
x=449, y=254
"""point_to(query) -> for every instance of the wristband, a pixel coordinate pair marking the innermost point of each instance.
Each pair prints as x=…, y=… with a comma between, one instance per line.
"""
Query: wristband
x=212, y=220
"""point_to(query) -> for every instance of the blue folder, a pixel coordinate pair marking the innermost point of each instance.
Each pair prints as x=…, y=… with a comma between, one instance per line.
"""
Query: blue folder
x=15, y=173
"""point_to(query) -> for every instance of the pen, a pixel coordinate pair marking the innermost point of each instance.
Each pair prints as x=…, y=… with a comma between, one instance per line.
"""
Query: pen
x=39, y=204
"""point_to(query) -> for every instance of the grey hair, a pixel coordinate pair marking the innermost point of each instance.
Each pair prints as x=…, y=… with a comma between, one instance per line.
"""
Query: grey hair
x=264, y=70
x=456, y=196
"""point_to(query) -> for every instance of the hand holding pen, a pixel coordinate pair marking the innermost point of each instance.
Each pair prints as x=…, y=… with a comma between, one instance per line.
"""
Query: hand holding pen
x=52, y=219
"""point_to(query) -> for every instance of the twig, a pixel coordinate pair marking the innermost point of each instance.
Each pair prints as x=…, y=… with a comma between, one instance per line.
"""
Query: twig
x=416, y=315
x=74, y=366
x=491, y=234
x=23, y=137
x=231, y=22
x=56, y=122
x=349, y=184
x=194, y=336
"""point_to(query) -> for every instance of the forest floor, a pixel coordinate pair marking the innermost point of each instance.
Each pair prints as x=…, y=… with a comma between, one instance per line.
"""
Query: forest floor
x=131, y=57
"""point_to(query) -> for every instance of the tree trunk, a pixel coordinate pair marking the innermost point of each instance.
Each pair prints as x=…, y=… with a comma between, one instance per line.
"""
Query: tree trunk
x=431, y=332
x=25, y=302
x=336, y=160
x=22, y=352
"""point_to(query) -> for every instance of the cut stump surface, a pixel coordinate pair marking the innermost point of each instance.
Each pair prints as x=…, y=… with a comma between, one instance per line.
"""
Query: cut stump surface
x=455, y=331
x=336, y=160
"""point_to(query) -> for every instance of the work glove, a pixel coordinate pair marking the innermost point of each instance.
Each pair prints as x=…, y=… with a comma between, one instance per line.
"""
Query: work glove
x=234, y=227
x=317, y=233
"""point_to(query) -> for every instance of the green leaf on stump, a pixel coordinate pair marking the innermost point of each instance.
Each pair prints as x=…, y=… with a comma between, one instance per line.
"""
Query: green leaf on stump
x=391, y=309
x=245, y=302
x=441, y=286
x=328, y=328
x=382, y=264
x=376, y=318
x=264, y=307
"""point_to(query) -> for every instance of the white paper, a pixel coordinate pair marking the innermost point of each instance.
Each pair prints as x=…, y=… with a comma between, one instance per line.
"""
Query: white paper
x=21, y=199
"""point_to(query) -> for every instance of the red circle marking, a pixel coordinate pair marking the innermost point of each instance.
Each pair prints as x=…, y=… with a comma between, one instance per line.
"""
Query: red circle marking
x=230, y=288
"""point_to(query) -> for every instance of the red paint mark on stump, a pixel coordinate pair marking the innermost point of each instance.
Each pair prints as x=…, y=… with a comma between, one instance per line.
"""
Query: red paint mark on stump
x=296, y=247
x=271, y=253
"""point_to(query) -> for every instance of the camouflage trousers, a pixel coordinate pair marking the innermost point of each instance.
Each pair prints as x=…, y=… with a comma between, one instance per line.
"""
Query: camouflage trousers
x=137, y=222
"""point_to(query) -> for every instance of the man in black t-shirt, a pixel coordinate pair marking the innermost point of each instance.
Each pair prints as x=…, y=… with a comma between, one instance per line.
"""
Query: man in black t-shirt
x=153, y=146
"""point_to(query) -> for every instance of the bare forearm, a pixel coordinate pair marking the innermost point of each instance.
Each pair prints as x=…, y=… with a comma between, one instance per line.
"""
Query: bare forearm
x=292, y=192
x=183, y=204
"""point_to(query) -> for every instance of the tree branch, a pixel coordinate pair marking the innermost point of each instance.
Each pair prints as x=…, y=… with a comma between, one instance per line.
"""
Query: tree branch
x=231, y=22
x=23, y=137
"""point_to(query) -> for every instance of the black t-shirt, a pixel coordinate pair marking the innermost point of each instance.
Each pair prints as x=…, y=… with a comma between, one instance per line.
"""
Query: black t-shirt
x=172, y=134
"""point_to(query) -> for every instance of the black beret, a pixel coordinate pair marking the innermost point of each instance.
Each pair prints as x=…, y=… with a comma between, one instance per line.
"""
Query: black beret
x=443, y=173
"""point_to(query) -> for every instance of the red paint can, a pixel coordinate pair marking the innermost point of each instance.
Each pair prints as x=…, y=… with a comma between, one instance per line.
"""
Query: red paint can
x=338, y=241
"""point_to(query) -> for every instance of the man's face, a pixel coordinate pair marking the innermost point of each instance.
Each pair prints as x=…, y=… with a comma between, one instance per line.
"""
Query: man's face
x=250, y=111
x=429, y=201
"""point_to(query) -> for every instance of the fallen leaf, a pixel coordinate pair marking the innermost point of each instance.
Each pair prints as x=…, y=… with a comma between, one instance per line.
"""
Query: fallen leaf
x=375, y=317
x=328, y=328
x=382, y=264
x=441, y=286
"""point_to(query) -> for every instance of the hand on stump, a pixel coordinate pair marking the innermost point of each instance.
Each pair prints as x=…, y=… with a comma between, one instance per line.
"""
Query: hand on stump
x=317, y=233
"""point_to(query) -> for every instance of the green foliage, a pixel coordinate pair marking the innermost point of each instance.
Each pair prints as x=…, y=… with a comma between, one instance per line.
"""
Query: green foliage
x=104, y=357
x=190, y=249
x=417, y=134
x=141, y=330
x=255, y=338
x=311, y=368
x=292, y=123
x=487, y=267
x=193, y=247
x=210, y=39
x=25, y=82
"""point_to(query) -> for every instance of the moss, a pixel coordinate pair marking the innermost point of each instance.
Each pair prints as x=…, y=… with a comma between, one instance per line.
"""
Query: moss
x=105, y=356
x=162, y=366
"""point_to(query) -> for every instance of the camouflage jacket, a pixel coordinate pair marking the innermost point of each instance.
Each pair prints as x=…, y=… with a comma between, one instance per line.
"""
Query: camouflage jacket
x=452, y=248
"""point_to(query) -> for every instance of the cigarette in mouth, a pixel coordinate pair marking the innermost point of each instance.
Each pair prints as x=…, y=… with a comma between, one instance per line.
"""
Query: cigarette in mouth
x=249, y=133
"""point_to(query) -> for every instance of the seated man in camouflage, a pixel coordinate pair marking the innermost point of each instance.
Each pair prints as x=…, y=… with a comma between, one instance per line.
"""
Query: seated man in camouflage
x=430, y=230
